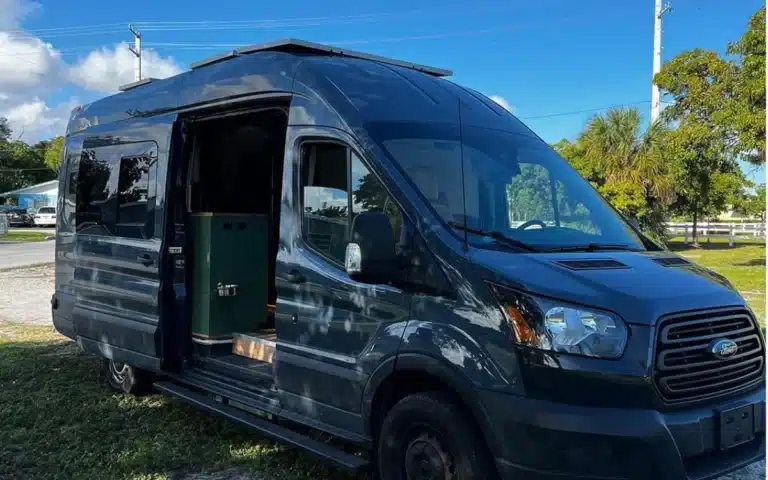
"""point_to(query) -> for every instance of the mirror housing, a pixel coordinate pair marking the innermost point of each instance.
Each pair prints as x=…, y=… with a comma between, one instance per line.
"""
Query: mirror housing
x=370, y=255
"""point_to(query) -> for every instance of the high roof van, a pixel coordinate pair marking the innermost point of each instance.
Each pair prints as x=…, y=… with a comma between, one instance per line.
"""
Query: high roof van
x=294, y=234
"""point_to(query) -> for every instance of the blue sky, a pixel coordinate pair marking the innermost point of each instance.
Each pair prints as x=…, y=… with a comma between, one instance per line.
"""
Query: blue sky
x=543, y=57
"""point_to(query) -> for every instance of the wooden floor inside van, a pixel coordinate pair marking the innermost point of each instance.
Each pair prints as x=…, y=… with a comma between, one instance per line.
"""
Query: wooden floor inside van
x=256, y=346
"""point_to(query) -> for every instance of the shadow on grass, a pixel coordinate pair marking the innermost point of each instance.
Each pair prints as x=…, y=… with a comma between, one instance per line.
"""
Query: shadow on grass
x=754, y=262
x=59, y=420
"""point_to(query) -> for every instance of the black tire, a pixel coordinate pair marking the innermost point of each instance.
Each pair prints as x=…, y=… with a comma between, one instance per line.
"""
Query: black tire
x=428, y=436
x=127, y=379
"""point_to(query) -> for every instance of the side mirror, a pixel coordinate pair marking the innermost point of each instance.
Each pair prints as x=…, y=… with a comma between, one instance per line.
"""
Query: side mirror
x=370, y=256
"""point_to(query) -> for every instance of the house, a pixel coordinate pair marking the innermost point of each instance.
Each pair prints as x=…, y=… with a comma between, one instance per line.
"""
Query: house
x=35, y=196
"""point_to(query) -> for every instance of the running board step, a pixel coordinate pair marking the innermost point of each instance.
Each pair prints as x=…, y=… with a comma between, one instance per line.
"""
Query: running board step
x=256, y=347
x=267, y=428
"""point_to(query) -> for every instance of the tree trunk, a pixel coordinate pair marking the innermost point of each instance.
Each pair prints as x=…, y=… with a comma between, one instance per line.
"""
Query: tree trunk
x=695, y=221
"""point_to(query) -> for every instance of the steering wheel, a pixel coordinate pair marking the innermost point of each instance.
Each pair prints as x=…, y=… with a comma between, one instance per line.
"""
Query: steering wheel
x=531, y=223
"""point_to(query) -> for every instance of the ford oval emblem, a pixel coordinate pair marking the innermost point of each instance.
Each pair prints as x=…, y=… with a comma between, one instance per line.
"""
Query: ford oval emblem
x=723, y=348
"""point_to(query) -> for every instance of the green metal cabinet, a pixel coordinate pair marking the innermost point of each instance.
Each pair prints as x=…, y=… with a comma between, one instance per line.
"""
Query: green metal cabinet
x=230, y=274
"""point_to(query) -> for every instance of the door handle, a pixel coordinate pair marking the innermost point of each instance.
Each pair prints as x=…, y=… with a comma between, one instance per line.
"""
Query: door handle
x=295, y=276
x=146, y=259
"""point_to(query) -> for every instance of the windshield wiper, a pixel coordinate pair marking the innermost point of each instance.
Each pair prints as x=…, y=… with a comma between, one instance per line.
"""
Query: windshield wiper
x=592, y=247
x=498, y=236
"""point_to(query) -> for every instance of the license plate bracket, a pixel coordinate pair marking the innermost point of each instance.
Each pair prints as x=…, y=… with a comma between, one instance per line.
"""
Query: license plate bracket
x=737, y=426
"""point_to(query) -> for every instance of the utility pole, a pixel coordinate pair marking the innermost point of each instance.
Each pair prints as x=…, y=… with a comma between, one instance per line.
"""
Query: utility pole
x=136, y=50
x=655, y=94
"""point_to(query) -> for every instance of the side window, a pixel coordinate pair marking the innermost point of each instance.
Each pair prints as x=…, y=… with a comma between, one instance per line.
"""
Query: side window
x=325, y=198
x=369, y=195
x=336, y=186
x=94, y=192
x=132, y=190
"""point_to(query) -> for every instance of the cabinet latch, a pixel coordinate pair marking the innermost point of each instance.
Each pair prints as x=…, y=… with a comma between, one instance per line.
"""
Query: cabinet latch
x=229, y=290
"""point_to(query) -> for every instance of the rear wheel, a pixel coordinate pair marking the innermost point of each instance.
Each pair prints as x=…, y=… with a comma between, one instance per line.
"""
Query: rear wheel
x=427, y=436
x=127, y=379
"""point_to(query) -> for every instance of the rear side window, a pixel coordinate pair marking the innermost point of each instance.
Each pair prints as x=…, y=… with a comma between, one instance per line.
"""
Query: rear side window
x=133, y=189
x=94, y=189
x=113, y=190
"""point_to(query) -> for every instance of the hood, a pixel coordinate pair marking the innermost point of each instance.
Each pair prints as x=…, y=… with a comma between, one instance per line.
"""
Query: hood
x=639, y=287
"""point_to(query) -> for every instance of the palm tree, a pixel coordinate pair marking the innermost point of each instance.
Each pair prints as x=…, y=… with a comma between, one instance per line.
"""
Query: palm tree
x=631, y=159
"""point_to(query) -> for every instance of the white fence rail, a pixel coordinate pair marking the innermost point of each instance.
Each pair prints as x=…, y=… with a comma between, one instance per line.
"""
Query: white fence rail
x=3, y=225
x=708, y=230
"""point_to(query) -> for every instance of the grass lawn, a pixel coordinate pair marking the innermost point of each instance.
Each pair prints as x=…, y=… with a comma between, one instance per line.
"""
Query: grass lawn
x=743, y=264
x=59, y=420
x=23, y=236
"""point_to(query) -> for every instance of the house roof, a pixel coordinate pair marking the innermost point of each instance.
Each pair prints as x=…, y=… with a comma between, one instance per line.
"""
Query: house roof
x=40, y=187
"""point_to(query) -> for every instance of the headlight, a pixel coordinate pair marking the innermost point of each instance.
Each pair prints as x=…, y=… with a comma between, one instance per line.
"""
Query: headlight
x=560, y=327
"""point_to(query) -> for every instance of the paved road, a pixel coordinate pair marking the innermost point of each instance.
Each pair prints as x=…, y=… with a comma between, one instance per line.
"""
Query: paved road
x=21, y=254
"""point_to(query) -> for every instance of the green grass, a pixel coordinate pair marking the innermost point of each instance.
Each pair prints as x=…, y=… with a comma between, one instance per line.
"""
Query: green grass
x=743, y=264
x=23, y=236
x=59, y=420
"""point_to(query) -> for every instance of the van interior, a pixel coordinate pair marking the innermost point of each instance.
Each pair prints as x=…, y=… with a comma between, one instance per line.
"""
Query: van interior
x=233, y=193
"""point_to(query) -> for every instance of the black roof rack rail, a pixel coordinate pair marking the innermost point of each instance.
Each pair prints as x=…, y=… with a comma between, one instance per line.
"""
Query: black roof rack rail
x=212, y=60
x=132, y=85
x=302, y=46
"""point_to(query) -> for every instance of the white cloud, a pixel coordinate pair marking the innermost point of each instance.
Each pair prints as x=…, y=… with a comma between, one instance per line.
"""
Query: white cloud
x=503, y=102
x=106, y=69
x=34, y=119
x=27, y=63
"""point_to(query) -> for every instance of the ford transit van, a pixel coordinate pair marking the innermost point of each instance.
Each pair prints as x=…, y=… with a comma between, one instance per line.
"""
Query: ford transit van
x=295, y=234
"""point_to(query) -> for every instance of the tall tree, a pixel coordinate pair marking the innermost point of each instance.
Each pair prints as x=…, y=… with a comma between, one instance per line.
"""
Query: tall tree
x=746, y=112
x=705, y=179
x=705, y=143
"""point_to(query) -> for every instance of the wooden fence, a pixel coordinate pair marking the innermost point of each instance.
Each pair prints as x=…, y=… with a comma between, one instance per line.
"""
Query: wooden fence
x=709, y=230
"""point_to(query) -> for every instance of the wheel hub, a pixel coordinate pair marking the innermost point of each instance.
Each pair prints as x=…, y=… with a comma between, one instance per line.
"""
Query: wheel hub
x=425, y=459
x=118, y=370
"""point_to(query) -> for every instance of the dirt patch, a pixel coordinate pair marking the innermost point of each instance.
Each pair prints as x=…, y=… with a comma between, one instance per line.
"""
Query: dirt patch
x=25, y=294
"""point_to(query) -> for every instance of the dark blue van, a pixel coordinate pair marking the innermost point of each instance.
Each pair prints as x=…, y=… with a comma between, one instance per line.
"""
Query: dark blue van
x=294, y=234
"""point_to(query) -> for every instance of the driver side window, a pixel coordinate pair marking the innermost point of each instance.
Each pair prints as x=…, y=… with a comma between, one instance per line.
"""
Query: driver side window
x=336, y=186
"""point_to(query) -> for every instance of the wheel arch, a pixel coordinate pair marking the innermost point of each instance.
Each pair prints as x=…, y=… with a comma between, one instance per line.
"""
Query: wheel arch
x=409, y=373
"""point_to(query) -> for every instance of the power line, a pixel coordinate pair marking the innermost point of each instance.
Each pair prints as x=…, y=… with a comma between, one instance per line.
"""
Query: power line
x=590, y=110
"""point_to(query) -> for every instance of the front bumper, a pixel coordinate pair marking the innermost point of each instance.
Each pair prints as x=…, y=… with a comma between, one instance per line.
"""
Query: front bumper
x=543, y=440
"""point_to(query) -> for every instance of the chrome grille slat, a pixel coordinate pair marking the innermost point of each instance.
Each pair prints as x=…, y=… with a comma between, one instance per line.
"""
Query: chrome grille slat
x=685, y=370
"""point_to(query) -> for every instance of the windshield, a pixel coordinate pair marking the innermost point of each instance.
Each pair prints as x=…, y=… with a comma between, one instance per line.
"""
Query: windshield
x=47, y=210
x=509, y=183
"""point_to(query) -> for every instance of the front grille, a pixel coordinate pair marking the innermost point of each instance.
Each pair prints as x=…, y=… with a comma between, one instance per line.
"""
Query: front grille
x=684, y=367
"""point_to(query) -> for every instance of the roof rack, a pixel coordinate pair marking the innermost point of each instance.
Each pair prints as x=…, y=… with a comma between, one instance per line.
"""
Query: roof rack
x=131, y=86
x=301, y=46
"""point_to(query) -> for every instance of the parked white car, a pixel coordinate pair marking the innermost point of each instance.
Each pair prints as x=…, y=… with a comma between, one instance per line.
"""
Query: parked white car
x=45, y=217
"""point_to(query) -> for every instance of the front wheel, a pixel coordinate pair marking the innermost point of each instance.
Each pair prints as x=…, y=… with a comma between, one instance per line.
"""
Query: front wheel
x=127, y=379
x=427, y=436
